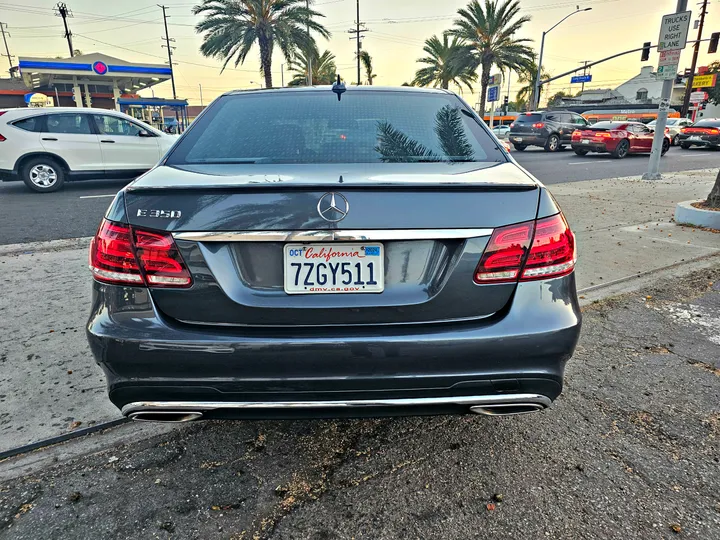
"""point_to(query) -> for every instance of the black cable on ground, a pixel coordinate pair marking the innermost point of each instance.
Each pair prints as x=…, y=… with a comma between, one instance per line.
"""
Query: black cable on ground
x=61, y=438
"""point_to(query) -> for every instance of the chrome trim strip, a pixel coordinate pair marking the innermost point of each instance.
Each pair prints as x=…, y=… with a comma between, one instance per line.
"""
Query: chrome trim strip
x=333, y=235
x=202, y=406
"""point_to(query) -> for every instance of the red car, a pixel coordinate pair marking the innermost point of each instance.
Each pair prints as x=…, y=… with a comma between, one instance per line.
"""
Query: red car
x=617, y=138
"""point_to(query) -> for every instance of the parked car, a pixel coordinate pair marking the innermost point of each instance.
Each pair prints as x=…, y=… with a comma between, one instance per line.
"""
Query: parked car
x=47, y=147
x=705, y=132
x=501, y=132
x=549, y=129
x=296, y=254
x=617, y=138
x=674, y=126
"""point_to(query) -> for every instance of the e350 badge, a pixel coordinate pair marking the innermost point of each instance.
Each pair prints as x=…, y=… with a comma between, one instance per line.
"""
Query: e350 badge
x=167, y=214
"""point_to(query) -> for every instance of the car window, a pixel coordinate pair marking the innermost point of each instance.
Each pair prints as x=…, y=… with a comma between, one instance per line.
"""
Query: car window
x=29, y=124
x=114, y=125
x=316, y=127
x=670, y=122
x=552, y=117
x=74, y=123
x=577, y=119
x=529, y=118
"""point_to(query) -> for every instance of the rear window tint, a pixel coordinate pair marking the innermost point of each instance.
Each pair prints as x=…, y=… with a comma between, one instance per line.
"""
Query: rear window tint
x=28, y=124
x=314, y=127
x=610, y=125
x=710, y=122
x=530, y=118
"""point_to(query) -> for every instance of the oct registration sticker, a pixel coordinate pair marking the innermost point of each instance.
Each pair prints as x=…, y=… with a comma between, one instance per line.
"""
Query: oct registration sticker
x=334, y=268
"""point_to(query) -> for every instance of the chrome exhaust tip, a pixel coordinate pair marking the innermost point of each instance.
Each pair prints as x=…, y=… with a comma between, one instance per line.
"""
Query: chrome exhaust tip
x=506, y=409
x=170, y=417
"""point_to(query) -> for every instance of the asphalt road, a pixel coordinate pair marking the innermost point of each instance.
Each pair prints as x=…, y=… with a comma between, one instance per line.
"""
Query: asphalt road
x=630, y=450
x=75, y=211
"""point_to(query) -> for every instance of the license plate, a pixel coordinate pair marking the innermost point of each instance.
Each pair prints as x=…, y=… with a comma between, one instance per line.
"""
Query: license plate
x=334, y=268
x=586, y=141
x=518, y=139
x=695, y=138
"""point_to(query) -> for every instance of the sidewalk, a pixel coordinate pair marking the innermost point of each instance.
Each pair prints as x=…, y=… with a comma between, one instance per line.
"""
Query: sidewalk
x=49, y=381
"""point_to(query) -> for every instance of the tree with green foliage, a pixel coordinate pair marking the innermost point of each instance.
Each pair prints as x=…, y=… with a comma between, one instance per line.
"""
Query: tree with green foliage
x=714, y=92
x=231, y=28
x=488, y=30
x=557, y=99
x=446, y=62
x=527, y=77
x=324, y=70
x=366, y=61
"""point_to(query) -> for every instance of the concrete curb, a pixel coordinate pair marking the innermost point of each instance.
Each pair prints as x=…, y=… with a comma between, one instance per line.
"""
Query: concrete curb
x=39, y=247
x=687, y=214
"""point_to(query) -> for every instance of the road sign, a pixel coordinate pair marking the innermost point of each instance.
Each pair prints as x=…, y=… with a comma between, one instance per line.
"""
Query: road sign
x=493, y=93
x=674, y=31
x=698, y=97
x=705, y=81
x=581, y=79
x=668, y=65
x=495, y=80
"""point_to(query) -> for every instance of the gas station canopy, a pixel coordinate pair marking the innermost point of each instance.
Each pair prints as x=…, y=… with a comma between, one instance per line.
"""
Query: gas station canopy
x=91, y=70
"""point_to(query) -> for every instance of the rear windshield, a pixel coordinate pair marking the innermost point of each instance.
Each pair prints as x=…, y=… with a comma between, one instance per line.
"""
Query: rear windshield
x=529, y=118
x=710, y=122
x=609, y=125
x=314, y=127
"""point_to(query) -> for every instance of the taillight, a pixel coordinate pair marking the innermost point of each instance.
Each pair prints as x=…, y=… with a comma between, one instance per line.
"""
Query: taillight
x=552, y=253
x=124, y=255
x=2, y=138
x=539, y=125
x=512, y=125
x=553, y=250
x=712, y=132
x=576, y=135
x=683, y=130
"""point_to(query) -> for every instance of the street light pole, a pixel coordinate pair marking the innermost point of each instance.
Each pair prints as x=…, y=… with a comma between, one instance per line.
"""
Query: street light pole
x=656, y=153
x=536, y=97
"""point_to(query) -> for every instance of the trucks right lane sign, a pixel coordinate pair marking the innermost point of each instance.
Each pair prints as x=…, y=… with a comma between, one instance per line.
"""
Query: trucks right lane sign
x=674, y=31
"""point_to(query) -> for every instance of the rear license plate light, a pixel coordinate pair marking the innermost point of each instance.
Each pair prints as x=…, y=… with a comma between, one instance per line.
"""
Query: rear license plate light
x=333, y=268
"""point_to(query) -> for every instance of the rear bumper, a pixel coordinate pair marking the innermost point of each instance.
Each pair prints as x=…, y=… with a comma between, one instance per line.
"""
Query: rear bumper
x=705, y=141
x=7, y=175
x=527, y=139
x=591, y=147
x=152, y=363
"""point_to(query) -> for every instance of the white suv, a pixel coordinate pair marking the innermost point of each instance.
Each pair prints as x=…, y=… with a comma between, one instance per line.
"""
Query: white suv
x=46, y=147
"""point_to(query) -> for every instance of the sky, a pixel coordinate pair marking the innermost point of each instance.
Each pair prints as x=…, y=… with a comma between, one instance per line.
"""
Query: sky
x=132, y=30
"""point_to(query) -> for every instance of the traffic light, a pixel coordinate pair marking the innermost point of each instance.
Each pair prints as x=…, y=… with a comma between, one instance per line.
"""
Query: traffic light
x=714, y=38
x=505, y=105
x=646, y=51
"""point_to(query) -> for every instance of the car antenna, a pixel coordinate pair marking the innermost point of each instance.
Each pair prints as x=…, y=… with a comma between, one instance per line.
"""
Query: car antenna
x=339, y=88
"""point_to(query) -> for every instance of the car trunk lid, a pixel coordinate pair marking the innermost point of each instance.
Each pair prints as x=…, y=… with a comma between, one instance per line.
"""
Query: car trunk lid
x=232, y=225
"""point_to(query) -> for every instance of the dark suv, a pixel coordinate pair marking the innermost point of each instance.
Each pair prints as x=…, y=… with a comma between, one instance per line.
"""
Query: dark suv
x=549, y=129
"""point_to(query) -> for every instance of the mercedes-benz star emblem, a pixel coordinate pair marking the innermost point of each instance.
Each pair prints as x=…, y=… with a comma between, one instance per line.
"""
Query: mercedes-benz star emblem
x=333, y=207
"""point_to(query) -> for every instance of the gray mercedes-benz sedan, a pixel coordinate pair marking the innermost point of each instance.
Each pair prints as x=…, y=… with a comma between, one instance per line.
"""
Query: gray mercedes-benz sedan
x=333, y=252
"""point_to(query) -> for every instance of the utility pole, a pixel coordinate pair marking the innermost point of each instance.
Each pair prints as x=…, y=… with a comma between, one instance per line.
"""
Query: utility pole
x=168, y=39
x=64, y=12
x=201, y=100
x=689, y=87
x=309, y=51
x=282, y=75
x=358, y=31
x=3, y=27
x=586, y=62
x=656, y=153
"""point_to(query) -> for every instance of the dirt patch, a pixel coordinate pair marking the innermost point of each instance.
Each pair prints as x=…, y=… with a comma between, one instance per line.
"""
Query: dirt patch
x=703, y=205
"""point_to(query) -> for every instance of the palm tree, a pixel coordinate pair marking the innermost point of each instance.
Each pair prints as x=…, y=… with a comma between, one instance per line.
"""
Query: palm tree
x=232, y=27
x=323, y=68
x=489, y=33
x=447, y=62
x=527, y=76
x=366, y=60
